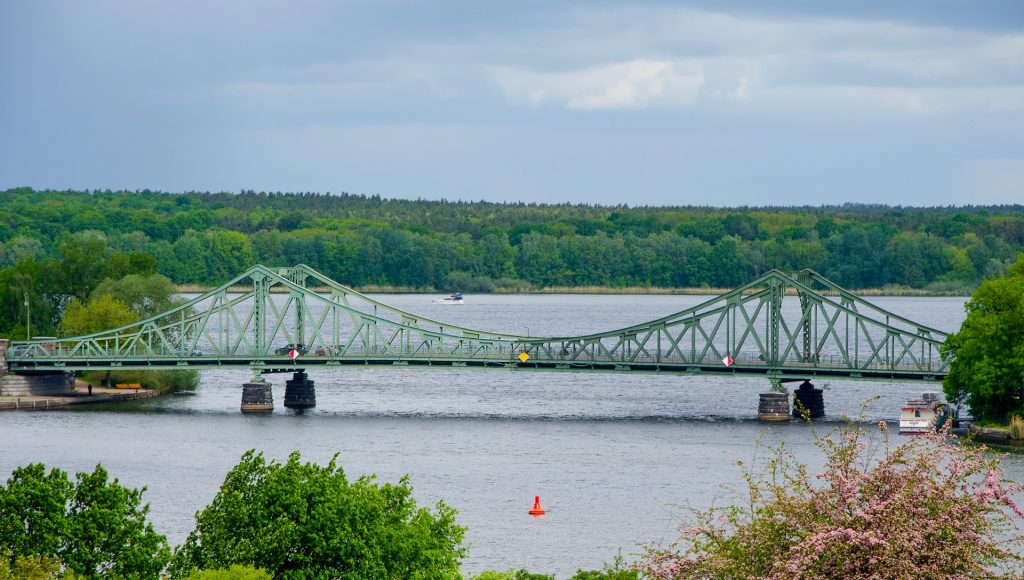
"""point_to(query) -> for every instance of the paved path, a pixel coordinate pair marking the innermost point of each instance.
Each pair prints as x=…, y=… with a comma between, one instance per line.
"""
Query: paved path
x=79, y=397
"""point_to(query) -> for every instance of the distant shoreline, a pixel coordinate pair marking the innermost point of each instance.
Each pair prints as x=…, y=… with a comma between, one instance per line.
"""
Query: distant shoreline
x=888, y=291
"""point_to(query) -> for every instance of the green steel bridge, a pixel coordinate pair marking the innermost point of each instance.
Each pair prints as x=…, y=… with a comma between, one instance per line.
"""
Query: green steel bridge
x=783, y=327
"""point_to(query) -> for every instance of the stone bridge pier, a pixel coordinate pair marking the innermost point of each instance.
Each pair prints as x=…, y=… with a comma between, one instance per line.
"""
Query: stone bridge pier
x=774, y=405
x=299, y=394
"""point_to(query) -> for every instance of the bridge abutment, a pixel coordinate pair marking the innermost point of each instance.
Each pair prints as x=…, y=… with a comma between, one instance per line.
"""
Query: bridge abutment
x=299, y=392
x=809, y=398
x=257, y=397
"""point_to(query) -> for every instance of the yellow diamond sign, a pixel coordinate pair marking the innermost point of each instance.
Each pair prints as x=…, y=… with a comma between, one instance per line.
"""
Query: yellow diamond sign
x=524, y=357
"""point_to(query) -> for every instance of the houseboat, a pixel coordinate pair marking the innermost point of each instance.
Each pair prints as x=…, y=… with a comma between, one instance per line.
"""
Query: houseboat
x=922, y=415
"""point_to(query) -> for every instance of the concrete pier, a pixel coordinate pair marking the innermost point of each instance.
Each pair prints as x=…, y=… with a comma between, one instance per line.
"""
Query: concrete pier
x=257, y=397
x=299, y=392
x=809, y=398
x=773, y=407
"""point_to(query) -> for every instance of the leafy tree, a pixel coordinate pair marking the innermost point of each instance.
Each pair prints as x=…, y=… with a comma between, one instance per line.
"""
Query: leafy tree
x=189, y=264
x=35, y=280
x=32, y=568
x=300, y=520
x=511, y=575
x=235, y=572
x=227, y=254
x=95, y=527
x=144, y=295
x=987, y=354
x=82, y=263
x=100, y=314
x=21, y=248
x=926, y=509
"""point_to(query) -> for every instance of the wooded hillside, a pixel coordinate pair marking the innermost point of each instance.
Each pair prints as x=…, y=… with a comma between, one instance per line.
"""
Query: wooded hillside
x=205, y=238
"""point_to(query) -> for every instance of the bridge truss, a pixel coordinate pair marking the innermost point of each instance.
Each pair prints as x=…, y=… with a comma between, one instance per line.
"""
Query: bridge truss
x=785, y=327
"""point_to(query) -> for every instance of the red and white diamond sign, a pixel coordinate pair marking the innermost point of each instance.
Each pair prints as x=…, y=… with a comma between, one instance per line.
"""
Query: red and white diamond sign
x=293, y=354
x=727, y=361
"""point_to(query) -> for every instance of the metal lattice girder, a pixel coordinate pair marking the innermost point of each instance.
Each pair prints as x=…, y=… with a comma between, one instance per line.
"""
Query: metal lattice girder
x=240, y=324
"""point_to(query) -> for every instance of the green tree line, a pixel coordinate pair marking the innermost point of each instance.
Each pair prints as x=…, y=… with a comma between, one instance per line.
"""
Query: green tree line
x=206, y=238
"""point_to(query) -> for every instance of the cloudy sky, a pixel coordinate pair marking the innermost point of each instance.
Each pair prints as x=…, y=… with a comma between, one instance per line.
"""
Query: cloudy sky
x=701, y=103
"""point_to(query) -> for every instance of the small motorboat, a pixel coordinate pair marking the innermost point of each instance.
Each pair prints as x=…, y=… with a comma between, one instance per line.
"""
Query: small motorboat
x=922, y=415
x=453, y=299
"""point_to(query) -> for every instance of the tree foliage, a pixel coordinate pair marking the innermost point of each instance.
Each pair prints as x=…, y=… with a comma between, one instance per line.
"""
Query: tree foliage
x=33, y=568
x=300, y=520
x=95, y=527
x=987, y=353
x=926, y=509
x=234, y=572
x=100, y=314
x=146, y=295
x=206, y=238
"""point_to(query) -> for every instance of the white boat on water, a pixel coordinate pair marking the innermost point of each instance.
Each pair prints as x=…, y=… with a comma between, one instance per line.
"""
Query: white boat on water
x=922, y=415
x=453, y=299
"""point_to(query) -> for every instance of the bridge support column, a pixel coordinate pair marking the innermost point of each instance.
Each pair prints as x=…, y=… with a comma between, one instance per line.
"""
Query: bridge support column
x=299, y=392
x=257, y=397
x=774, y=406
x=810, y=398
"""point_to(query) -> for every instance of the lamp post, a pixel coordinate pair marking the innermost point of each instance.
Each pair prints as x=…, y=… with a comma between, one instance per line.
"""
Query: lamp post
x=28, y=319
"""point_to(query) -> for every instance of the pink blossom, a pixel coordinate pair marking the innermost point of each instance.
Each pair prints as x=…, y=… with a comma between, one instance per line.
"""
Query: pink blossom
x=931, y=507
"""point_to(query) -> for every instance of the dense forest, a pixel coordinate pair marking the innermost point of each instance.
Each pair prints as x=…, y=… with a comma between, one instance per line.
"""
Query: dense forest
x=206, y=238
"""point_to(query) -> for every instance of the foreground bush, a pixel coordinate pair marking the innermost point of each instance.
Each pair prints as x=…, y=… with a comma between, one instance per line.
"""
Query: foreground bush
x=615, y=571
x=235, y=572
x=91, y=526
x=929, y=508
x=300, y=520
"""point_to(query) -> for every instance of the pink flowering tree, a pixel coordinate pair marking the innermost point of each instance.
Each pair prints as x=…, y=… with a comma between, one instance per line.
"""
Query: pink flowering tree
x=928, y=508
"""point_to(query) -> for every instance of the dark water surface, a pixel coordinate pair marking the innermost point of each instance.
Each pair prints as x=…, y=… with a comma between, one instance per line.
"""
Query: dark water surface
x=616, y=458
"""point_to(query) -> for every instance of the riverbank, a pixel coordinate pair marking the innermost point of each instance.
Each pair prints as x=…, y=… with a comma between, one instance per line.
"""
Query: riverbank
x=899, y=291
x=80, y=396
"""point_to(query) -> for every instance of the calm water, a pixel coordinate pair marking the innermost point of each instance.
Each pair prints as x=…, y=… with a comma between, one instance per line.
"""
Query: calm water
x=616, y=458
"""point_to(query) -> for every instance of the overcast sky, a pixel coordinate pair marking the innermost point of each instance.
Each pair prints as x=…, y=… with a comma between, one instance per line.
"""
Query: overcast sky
x=701, y=103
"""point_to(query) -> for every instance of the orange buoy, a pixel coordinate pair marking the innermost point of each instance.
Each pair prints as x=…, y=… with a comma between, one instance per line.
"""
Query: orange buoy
x=536, y=510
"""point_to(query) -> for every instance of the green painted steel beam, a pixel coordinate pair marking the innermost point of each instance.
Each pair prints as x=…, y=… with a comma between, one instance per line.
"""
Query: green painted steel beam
x=240, y=324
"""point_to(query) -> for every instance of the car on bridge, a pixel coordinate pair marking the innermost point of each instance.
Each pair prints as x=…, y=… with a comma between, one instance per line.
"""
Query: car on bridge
x=286, y=349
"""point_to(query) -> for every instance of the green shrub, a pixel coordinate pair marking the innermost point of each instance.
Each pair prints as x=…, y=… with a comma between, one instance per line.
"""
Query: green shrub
x=511, y=575
x=93, y=526
x=163, y=381
x=300, y=520
x=32, y=568
x=1016, y=427
x=235, y=572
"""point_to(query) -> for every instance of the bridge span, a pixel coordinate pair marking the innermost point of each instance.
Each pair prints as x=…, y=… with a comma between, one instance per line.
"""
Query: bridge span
x=320, y=323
